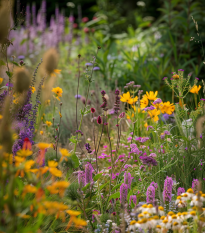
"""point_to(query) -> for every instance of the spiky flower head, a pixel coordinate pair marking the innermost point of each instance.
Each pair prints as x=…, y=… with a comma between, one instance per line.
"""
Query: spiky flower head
x=81, y=179
x=50, y=61
x=22, y=79
x=128, y=179
x=167, y=192
x=123, y=193
x=88, y=173
x=150, y=194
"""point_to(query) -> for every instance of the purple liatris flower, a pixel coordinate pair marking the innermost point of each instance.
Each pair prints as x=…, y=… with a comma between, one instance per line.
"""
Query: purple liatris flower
x=88, y=173
x=157, y=101
x=167, y=192
x=195, y=184
x=123, y=193
x=128, y=179
x=150, y=194
x=180, y=191
x=99, y=120
x=81, y=179
x=155, y=185
x=134, y=199
x=146, y=160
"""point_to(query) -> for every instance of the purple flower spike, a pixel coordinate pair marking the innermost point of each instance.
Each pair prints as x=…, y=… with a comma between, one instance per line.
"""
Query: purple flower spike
x=167, y=192
x=128, y=179
x=201, y=136
x=122, y=115
x=81, y=179
x=157, y=101
x=123, y=193
x=133, y=198
x=88, y=173
x=146, y=160
x=195, y=184
x=155, y=185
x=150, y=194
x=180, y=191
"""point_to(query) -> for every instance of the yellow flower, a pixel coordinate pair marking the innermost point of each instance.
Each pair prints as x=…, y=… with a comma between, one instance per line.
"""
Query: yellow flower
x=195, y=89
x=151, y=95
x=33, y=89
x=176, y=76
x=15, y=101
x=167, y=108
x=1, y=80
x=64, y=153
x=79, y=222
x=53, y=170
x=56, y=71
x=24, y=153
x=58, y=91
x=41, y=132
x=48, y=123
x=58, y=187
x=43, y=145
x=60, y=115
x=24, y=216
x=144, y=102
x=128, y=99
x=1, y=116
x=154, y=114
x=73, y=212
x=29, y=189
x=145, y=125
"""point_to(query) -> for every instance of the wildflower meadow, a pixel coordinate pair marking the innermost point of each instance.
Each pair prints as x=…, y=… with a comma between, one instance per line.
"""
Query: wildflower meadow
x=102, y=117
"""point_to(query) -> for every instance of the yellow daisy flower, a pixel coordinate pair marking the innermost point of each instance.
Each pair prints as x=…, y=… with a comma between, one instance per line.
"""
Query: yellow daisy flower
x=151, y=95
x=195, y=89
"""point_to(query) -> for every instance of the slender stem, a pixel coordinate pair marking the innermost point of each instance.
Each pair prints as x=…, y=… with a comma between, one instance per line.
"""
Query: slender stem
x=77, y=91
x=100, y=198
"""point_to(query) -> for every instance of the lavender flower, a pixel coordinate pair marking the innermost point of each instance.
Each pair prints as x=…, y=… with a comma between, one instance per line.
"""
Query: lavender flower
x=88, y=64
x=146, y=160
x=78, y=96
x=157, y=101
x=150, y=194
x=134, y=199
x=167, y=192
x=88, y=173
x=123, y=193
x=195, y=184
x=96, y=68
x=81, y=179
x=180, y=191
x=128, y=179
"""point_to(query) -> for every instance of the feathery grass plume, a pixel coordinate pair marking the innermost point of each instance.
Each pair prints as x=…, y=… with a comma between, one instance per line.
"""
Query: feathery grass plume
x=5, y=21
x=50, y=61
x=22, y=79
x=5, y=127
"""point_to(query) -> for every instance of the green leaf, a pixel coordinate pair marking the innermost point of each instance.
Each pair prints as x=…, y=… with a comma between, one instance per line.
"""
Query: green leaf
x=23, y=41
x=9, y=74
x=2, y=63
x=96, y=177
x=15, y=63
x=86, y=187
x=103, y=185
x=114, y=196
x=116, y=187
x=75, y=160
x=129, y=194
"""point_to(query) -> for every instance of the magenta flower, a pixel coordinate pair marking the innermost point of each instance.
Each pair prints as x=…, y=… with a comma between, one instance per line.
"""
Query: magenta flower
x=167, y=192
x=99, y=120
x=88, y=173
x=92, y=110
x=123, y=193
x=195, y=184
x=128, y=179
x=133, y=198
x=81, y=179
x=150, y=194
x=180, y=191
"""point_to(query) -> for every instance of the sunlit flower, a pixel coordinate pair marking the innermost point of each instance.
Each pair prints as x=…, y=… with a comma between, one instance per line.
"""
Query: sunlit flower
x=144, y=102
x=43, y=145
x=154, y=114
x=58, y=187
x=1, y=116
x=29, y=189
x=48, y=123
x=41, y=132
x=167, y=107
x=195, y=89
x=58, y=92
x=56, y=71
x=53, y=170
x=33, y=89
x=128, y=99
x=24, y=153
x=1, y=80
x=175, y=76
x=151, y=95
x=64, y=152
x=47, y=102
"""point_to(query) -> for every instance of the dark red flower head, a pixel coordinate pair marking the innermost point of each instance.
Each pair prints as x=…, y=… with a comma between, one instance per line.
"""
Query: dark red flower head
x=99, y=120
x=92, y=110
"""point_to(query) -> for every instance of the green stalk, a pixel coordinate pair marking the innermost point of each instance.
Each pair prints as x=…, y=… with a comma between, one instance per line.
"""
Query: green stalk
x=100, y=199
